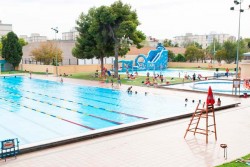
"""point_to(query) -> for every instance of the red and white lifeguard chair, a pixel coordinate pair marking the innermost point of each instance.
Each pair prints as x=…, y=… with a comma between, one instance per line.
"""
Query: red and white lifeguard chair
x=204, y=112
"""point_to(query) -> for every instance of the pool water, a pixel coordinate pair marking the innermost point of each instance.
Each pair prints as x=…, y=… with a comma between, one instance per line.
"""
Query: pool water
x=35, y=110
x=219, y=86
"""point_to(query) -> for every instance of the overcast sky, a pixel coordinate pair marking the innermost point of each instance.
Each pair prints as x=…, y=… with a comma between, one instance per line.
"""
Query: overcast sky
x=159, y=18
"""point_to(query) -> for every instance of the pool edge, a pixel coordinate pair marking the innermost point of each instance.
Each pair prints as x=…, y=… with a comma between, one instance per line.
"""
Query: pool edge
x=113, y=130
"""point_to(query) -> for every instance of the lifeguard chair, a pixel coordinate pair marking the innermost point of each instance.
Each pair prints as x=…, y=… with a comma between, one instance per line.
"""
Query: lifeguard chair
x=199, y=115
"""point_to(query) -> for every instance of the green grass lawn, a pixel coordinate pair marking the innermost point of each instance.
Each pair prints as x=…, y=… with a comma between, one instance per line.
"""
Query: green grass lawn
x=236, y=164
x=124, y=80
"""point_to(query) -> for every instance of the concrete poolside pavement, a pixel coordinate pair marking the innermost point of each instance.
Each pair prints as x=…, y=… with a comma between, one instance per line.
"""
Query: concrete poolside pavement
x=158, y=145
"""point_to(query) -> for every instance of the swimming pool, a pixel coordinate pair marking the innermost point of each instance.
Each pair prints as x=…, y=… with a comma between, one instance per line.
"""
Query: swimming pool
x=34, y=110
x=175, y=72
x=220, y=86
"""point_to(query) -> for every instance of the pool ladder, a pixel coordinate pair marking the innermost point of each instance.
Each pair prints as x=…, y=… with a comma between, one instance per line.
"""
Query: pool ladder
x=199, y=113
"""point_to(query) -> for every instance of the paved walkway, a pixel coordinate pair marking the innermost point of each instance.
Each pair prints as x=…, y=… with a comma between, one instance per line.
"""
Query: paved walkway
x=158, y=145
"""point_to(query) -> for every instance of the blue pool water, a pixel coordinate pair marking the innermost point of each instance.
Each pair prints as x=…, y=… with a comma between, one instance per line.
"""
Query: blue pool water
x=37, y=110
x=175, y=72
x=221, y=86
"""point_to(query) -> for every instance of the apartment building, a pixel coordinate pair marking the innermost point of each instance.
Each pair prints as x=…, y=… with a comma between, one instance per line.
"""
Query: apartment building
x=5, y=29
x=34, y=37
x=204, y=40
x=71, y=35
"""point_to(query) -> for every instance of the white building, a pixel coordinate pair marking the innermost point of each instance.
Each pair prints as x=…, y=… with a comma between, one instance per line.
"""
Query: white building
x=34, y=37
x=5, y=28
x=204, y=40
x=70, y=36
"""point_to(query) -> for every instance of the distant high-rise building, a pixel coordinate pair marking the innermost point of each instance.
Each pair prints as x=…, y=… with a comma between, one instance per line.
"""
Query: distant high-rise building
x=5, y=28
x=204, y=40
x=70, y=36
x=34, y=37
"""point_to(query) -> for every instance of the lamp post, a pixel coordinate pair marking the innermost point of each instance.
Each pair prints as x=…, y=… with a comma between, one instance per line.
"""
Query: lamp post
x=214, y=47
x=56, y=31
x=238, y=2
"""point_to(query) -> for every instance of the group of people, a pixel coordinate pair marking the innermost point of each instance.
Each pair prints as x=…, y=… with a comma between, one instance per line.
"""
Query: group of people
x=155, y=78
x=132, y=76
x=129, y=91
x=218, y=103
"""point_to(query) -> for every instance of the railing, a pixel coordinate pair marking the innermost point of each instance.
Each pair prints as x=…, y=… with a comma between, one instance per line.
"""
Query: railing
x=71, y=61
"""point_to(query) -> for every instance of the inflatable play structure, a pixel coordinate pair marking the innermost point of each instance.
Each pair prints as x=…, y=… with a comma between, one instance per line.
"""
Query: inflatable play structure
x=156, y=60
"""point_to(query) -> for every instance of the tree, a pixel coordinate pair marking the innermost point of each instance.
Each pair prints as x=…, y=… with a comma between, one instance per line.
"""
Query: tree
x=1, y=46
x=167, y=43
x=212, y=48
x=188, y=43
x=47, y=52
x=12, y=50
x=123, y=23
x=230, y=51
x=247, y=41
x=179, y=58
x=106, y=31
x=171, y=55
x=219, y=55
x=93, y=40
x=22, y=42
x=200, y=55
x=192, y=53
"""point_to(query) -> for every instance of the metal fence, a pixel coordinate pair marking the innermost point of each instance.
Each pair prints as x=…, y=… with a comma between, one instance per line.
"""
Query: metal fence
x=73, y=61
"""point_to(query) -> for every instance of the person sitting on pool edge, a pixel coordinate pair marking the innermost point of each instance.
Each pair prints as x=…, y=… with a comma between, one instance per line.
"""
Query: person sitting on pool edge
x=129, y=89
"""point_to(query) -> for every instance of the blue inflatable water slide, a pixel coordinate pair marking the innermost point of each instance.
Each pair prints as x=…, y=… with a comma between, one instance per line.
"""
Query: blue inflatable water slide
x=156, y=60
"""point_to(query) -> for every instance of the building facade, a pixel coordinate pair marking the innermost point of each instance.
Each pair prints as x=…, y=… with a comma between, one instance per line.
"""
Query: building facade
x=70, y=36
x=5, y=29
x=204, y=40
x=34, y=37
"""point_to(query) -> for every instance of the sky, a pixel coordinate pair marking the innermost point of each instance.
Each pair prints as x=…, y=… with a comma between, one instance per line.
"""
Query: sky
x=159, y=18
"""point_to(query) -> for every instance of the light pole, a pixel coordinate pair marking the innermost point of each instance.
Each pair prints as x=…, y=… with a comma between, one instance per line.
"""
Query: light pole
x=238, y=2
x=214, y=48
x=56, y=31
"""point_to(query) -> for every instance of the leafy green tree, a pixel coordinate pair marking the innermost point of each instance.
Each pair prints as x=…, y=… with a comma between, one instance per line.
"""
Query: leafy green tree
x=12, y=50
x=230, y=50
x=171, y=55
x=201, y=55
x=190, y=43
x=212, y=48
x=179, y=58
x=176, y=45
x=47, y=52
x=22, y=42
x=167, y=43
x=94, y=39
x=122, y=23
x=193, y=53
x=106, y=31
x=219, y=55
x=247, y=41
x=1, y=46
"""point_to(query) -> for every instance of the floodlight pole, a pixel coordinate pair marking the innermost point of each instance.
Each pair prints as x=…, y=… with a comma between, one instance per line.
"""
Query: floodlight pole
x=238, y=45
x=236, y=2
x=56, y=31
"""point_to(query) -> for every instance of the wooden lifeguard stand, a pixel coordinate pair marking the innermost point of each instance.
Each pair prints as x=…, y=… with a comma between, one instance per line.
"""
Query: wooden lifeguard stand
x=196, y=119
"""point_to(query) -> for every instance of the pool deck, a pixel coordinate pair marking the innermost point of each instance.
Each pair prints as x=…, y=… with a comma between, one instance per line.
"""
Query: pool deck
x=156, y=145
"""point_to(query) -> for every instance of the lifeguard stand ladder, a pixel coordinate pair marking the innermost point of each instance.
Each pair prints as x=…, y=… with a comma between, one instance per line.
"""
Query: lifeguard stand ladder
x=196, y=119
